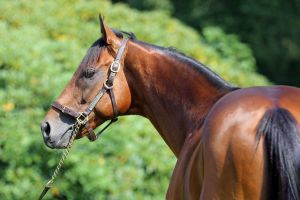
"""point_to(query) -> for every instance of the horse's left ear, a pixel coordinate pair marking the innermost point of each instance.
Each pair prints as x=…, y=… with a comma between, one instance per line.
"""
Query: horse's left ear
x=108, y=35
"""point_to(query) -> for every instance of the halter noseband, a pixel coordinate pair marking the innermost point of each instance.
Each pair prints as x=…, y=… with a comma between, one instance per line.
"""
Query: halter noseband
x=82, y=118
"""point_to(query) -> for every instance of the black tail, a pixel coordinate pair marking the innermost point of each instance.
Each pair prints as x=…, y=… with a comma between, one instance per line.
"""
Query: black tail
x=282, y=147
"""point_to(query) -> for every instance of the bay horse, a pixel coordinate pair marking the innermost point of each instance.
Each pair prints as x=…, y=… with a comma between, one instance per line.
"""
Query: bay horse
x=230, y=143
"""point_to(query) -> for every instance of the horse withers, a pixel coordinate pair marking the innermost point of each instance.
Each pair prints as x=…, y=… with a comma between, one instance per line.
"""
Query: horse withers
x=231, y=143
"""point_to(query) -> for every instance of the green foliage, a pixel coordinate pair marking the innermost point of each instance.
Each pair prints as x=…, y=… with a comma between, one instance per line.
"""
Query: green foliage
x=42, y=43
x=163, y=5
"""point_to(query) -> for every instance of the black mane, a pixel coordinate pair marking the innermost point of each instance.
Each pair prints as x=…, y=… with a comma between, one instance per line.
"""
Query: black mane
x=198, y=66
x=121, y=34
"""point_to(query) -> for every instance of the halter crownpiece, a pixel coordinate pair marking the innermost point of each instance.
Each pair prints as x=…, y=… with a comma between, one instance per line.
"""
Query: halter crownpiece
x=82, y=118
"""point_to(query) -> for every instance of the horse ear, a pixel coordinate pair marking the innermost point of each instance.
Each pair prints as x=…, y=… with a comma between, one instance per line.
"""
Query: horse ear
x=108, y=35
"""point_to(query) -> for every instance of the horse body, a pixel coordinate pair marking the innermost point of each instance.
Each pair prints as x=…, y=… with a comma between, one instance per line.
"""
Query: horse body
x=211, y=126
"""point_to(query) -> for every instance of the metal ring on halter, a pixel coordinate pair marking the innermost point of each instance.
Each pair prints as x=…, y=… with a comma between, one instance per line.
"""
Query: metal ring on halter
x=63, y=109
x=115, y=66
x=82, y=119
x=107, y=87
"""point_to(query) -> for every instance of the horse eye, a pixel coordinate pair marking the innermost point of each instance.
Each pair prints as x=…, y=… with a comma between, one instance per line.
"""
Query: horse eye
x=89, y=72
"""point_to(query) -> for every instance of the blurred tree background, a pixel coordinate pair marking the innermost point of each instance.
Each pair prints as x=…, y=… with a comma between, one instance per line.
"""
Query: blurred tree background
x=270, y=28
x=41, y=45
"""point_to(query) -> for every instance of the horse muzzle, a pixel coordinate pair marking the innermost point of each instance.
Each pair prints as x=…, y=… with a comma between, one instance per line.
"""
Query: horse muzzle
x=57, y=132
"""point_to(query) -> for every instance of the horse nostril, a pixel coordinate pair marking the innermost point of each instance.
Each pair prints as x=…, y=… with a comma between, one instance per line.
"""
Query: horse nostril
x=45, y=128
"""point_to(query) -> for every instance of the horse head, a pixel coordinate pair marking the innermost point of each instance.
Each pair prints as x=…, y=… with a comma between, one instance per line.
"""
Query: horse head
x=98, y=91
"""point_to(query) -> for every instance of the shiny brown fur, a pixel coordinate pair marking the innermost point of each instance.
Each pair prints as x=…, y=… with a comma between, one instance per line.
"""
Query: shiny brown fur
x=209, y=125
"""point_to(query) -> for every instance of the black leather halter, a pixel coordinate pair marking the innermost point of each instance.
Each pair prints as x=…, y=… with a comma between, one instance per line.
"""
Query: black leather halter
x=82, y=118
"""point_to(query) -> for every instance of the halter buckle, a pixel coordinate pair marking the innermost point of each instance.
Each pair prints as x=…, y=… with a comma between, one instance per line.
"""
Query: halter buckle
x=115, y=66
x=82, y=119
x=107, y=86
x=63, y=109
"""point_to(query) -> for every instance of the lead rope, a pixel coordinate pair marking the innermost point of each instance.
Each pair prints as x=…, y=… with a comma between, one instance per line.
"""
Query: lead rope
x=66, y=151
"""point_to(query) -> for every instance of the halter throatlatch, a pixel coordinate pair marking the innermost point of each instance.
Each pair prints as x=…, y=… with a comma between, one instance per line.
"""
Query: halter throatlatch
x=82, y=118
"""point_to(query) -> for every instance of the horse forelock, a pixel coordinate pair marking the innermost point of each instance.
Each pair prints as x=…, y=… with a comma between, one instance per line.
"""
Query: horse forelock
x=94, y=51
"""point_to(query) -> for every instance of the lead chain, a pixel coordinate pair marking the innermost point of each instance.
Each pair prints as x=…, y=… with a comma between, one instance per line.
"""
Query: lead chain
x=66, y=151
x=64, y=156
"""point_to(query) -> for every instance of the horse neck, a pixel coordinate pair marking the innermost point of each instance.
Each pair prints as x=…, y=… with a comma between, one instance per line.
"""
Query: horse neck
x=174, y=96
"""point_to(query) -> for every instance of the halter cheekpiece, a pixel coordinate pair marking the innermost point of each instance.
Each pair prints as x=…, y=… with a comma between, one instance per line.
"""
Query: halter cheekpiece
x=82, y=118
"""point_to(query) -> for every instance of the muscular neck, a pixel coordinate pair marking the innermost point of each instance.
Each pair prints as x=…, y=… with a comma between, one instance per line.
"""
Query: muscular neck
x=170, y=91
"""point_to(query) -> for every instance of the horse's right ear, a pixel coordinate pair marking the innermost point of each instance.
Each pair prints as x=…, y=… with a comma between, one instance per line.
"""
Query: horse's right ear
x=109, y=36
